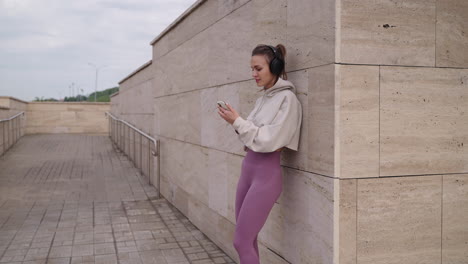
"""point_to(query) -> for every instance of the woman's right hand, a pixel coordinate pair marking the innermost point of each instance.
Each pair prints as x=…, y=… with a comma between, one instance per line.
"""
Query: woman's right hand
x=229, y=115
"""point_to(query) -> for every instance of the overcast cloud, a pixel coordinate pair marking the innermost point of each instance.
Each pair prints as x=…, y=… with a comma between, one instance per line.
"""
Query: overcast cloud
x=46, y=45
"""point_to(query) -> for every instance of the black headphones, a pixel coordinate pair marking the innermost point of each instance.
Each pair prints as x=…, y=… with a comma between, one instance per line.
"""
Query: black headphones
x=277, y=63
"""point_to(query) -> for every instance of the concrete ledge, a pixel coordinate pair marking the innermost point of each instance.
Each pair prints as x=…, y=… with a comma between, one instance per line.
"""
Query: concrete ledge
x=178, y=20
x=142, y=67
x=13, y=98
x=71, y=103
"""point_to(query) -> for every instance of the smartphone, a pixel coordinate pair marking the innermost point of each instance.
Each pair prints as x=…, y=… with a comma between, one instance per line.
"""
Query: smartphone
x=222, y=104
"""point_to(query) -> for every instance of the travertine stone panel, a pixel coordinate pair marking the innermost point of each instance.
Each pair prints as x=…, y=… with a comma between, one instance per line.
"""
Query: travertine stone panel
x=300, y=227
x=138, y=99
x=191, y=70
x=218, y=181
x=161, y=82
x=179, y=116
x=256, y=22
x=399, y=220
x=423, y=127
x=310, y=33
x=455, y=219
x=358, y=129
x=217, y=133
x=185, y=165
x=233, y=31
x=321, y=120
x=267, y=255
x=234, y=165
x=144, y=122
x=200, y=19
x=235, y=36
x=143, y=75
x=67, y=118
x=174, y=194
x=227, y=7
x=13, y=103
x=298, y=159
x=395, y=32
x=452, y=33
x=234, y=41
x=225, y=230
x=347, y=221
x=213, y=225
x=270, y=19
x=115, y=105
x=219, y=172
x=5, y=102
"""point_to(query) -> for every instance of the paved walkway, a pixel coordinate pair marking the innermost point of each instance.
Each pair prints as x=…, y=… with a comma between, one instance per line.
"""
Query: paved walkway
x=74, y=199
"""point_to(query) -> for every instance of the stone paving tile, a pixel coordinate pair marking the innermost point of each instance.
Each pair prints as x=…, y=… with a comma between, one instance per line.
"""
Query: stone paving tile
x=60, y=252
x=82, y=250
x=126, y=246
x=104, y=249
x=58, y=260
x=82, y=260
x=129, y=258
x=105, y=259
x=80, y=201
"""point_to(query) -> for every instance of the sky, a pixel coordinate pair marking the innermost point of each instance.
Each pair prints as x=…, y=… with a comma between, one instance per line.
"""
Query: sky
x=46, y=46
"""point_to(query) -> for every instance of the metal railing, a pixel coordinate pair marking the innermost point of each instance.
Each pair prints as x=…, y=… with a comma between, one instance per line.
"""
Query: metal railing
x=131, y=141
x=11, y=129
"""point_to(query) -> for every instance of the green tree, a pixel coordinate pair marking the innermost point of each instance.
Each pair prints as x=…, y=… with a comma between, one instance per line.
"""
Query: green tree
x=103, y=96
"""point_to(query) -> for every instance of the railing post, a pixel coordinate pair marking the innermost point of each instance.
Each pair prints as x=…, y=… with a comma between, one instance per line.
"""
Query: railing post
x=141, y=153
x=127, y=139
x=18, y=127
x=159, y=168
x=16, y=131
x=3, y=136
x=149, y=162
x=13, y=131
x=8, y=131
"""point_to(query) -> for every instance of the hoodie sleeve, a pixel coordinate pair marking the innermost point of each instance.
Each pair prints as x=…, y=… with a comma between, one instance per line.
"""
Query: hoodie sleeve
x=277, y=134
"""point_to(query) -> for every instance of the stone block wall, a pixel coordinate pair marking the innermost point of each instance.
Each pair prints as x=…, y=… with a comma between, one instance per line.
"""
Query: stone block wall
x=206, y=58
x=381, y=173
x=134, y=101
x=10, y=106
x=69, y=117
x=402, y=83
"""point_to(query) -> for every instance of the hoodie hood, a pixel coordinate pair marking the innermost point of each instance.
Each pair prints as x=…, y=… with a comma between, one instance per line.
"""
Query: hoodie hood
x=280, y=85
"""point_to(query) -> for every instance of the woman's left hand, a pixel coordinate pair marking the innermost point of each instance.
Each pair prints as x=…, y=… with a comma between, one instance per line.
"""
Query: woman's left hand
x=229, y=115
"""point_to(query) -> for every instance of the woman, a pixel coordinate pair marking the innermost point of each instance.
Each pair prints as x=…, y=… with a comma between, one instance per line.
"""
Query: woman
x=273, y=124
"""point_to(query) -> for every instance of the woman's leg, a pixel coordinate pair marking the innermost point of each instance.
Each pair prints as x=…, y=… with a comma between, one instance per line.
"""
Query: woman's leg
x=254, y=212
x=242, y=187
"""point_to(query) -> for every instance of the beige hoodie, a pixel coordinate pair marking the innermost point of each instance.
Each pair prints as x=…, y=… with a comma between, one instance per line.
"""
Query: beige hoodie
x=274, y=122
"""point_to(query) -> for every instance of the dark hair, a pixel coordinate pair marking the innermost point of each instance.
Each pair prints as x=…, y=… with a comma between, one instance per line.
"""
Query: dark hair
x=265, y=50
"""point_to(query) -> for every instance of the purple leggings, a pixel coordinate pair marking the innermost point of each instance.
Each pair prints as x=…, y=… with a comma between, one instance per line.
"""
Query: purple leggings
x=259, y=187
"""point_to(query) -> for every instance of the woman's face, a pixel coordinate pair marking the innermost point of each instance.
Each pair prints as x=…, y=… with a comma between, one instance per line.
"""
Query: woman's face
x=261, y=71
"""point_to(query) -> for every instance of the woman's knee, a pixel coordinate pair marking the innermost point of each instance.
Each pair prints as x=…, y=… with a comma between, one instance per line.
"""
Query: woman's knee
x=237, y=243
x=241, y=243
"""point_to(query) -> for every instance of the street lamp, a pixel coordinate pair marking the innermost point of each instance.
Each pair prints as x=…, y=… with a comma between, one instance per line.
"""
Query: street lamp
x=96, y=79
